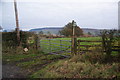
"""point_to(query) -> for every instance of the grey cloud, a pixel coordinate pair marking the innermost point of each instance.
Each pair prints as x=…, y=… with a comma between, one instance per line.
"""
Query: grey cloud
x=91, y=15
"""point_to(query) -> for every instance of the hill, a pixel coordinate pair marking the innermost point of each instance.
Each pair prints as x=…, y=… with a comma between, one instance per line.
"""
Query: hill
x=52, y=30
x=55, y=30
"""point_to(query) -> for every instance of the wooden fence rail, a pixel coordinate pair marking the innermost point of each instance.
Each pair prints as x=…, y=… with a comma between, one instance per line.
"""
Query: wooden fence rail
x=87, y=41
x=80, y=45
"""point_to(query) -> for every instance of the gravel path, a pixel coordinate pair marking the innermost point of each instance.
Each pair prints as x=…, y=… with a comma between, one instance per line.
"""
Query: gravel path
x=12, y=71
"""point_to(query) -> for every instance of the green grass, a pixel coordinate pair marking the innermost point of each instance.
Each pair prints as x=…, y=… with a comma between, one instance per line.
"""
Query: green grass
x=17, y=57
x=31, y=63
x=39, y=61
x=55, y=45
x=28, y=60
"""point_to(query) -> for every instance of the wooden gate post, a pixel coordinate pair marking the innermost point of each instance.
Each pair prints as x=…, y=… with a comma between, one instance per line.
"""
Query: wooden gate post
x=37, y=42
x=74, y=39
x=50, y=46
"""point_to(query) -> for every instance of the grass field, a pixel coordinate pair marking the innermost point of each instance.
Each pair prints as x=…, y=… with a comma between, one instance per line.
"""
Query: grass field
x=55, y=45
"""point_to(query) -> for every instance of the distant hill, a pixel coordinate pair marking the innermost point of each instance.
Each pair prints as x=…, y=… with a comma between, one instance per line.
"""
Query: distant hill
x=52, y=30
x=55, y=30
x=92, y=31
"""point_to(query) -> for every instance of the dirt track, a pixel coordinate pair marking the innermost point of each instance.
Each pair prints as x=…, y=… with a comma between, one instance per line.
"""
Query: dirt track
x=12, y=71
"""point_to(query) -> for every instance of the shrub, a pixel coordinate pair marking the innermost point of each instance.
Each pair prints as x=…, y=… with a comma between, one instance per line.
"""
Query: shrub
x=9, y=39
x=10, y=44
x=109, y=37
x=93, y=57
x=89, y=57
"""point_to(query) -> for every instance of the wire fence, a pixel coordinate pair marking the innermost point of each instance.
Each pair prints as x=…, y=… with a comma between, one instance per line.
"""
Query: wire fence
x=55, y=45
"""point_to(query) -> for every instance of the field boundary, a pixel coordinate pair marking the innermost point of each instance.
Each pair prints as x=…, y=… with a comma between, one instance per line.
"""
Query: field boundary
x=79, y=49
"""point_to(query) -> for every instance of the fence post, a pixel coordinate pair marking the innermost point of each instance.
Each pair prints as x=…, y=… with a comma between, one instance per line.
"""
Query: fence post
x=37, y=42
x=50, y=45
x=79, y=46
x=61, y=44
x=74, y=40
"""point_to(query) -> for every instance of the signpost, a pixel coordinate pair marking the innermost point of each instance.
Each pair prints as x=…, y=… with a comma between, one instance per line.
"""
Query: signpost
x=74, y=39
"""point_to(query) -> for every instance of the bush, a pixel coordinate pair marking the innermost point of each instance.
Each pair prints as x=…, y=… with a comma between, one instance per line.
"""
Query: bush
x=9, y=39
x=109, y=37
x=93, y=57
x=10, y=44
x=89, y=57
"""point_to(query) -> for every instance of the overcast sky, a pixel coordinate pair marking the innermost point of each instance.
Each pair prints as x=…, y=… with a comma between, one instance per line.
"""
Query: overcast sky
x=99, y=14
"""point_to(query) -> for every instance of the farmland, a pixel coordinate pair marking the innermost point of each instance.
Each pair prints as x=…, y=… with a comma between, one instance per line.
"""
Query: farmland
x=42, y=64
x=41, y=39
